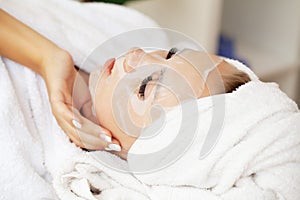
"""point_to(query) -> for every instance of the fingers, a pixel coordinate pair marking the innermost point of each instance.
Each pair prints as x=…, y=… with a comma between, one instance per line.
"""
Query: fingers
x=90, y=127
x=86, y=134
x=85, y=140
x=72, y=125
x=82, y=131
x=114, y=146
x=87, y=112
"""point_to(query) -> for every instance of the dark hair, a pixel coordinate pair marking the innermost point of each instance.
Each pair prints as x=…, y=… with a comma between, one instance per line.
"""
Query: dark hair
x=234, y=80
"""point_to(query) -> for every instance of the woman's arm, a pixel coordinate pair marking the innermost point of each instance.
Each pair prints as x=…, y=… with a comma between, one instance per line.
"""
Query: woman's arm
x=25, y=46
x=22, y=44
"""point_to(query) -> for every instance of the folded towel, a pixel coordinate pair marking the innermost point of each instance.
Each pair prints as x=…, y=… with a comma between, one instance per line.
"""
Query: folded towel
x=255, y=157
x=257, y=151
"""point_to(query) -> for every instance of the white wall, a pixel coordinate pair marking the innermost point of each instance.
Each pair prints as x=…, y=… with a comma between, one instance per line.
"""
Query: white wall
x=199, y=19
x=269, y=25
x=267, y=35
x=266, y=32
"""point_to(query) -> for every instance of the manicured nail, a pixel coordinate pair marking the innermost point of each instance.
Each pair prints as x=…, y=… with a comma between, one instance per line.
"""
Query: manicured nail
x=105, y=137
x=114, y=147
x=76, y=123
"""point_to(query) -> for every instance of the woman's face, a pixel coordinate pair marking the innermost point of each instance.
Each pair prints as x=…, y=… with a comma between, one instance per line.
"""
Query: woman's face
x=138, y=81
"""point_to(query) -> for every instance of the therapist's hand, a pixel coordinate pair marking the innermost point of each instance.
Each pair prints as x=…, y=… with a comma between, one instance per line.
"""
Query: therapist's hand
x=24, y=45
x=60, y=77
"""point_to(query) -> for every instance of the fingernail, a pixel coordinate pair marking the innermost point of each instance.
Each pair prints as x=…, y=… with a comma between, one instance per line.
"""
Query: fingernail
x=114, y=147
x=105, y=137
x=76, y=123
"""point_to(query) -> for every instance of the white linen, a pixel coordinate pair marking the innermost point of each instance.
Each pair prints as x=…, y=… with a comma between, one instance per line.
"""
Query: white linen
x=76, y=27
x=256, y=157
x=34, y=148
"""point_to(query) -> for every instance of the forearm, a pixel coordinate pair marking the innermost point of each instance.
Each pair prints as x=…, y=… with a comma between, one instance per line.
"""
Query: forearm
x=22, y=44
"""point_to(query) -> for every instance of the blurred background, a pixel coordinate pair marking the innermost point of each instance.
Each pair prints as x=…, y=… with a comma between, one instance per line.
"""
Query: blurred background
x=264, y=34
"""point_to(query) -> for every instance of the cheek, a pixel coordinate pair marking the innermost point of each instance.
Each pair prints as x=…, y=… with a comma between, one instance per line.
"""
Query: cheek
x=166, y=99
x=139, y=112
x=103, y=105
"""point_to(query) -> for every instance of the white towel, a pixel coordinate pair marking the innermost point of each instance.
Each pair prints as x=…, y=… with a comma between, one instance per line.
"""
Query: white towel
x=256, y=156
x=76, y=27
x=33, y=147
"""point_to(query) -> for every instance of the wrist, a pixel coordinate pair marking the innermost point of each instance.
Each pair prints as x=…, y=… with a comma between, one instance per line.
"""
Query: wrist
x=55, y=61
x=58, y=72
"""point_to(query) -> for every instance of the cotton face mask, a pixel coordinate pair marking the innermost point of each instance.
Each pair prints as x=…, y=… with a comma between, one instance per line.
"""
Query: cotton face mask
x=154, y=85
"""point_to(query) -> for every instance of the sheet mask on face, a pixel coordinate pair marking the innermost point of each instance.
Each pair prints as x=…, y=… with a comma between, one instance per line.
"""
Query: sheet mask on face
x=134, y=106
x=93, y=79
x=180, y=140
x=155, y=85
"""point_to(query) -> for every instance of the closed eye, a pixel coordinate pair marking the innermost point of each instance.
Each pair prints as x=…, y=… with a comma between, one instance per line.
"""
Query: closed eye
x=143, y=87
x=171, y=53
x=156, y=76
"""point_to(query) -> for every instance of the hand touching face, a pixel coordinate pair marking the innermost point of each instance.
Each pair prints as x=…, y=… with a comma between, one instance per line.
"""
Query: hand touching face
x=134, y=80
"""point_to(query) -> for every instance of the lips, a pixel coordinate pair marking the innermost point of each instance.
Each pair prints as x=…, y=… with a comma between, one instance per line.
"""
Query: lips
x=109, y=65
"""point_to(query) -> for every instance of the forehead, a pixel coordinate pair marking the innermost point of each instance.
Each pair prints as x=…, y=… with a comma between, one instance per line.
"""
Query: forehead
x=191, y=63
x=200, y=60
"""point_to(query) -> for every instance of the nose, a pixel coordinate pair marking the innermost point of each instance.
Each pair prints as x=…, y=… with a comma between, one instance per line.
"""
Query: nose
x=133, y=58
